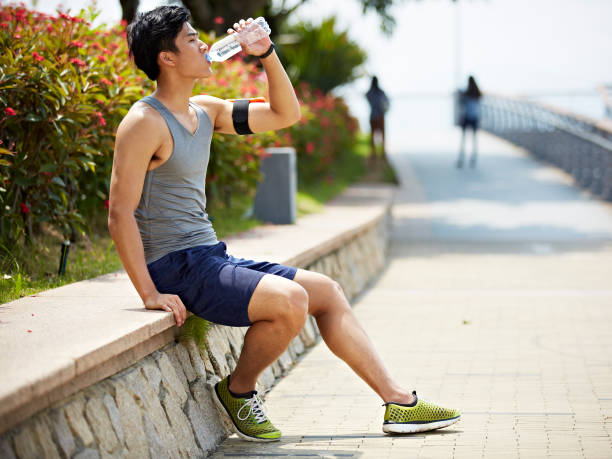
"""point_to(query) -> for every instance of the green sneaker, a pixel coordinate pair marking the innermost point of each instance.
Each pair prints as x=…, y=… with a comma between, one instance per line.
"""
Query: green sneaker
x=247, y=414
x=419, y=416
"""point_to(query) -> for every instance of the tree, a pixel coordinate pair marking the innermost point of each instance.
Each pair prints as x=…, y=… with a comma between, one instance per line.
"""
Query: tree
x=321, y=56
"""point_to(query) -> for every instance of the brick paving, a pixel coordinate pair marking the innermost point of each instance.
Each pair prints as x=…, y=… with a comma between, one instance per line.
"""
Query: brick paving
x=508, y=321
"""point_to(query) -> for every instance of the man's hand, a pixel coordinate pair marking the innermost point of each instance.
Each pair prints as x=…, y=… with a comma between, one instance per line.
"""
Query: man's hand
x=257, y=48
x=170, y=303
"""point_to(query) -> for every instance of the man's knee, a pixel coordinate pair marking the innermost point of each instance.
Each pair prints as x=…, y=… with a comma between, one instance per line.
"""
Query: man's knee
x=295, y=310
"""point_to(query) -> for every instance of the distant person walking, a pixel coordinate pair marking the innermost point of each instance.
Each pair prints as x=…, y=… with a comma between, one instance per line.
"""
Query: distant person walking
x=379, y=105
x=470, y=116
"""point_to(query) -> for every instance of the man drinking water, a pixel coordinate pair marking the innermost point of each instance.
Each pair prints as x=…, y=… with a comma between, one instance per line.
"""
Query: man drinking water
x=168, y=246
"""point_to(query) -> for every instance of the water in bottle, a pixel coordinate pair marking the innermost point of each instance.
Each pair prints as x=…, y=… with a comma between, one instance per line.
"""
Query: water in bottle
x=230, y=45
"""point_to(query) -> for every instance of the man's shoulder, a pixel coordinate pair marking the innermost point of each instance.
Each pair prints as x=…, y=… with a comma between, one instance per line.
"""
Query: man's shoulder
x=142, y=116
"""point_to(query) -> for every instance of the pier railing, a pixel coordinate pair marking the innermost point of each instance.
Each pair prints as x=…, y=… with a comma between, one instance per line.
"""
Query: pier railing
x=579, y=145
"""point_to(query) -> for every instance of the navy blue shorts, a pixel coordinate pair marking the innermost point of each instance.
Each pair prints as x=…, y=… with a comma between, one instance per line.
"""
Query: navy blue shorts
x=212, y=284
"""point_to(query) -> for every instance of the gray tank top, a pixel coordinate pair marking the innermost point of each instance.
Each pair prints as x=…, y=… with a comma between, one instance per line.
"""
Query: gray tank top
x=172, y=214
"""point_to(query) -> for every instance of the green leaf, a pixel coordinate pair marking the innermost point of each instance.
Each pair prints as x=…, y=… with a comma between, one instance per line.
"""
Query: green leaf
x=49, y=167
x=32, y=117
x=58, y=181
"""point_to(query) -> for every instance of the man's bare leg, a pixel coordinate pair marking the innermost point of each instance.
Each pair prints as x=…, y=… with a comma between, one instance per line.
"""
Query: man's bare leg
x=278, y=310
x=345, y=337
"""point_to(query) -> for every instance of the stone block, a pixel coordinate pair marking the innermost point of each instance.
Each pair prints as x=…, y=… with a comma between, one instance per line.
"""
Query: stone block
x=88, y=453
x=101, y=424
x=276, y=369
x=236, y=340
x=210, y=369
x=151, y=371
x=204, y=430
x=307, y=334
x=157, y=448
x=297, y=345
x=181, y=428
x=197, y=362
x=170, y=379
x=170, y=352
x=218, y=423
x=45, y=438
x=151, y=406
x=218, y=348
x=26, y=444
x=74, y=411
x=183, y=357
x=63, y=434
x=113, y=414
x=266, y=378
x=285, y=361
x=131, y=422
x=6, y=450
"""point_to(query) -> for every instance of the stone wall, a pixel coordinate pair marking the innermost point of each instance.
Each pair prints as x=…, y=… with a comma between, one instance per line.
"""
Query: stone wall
x=161, y=406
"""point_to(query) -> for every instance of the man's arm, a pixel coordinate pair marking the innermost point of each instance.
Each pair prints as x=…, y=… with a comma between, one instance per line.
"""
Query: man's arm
x=136, y=142
x=282, y=111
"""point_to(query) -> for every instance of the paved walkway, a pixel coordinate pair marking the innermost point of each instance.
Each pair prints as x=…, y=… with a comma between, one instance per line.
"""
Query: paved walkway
x=497, y=300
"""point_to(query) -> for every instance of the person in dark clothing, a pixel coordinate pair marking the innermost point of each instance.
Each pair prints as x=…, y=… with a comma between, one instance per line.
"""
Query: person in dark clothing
x=470, y=117
x=379, y=104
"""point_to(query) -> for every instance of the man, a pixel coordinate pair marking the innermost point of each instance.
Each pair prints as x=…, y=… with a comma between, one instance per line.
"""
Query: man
x=379, y=105
x=169, y=249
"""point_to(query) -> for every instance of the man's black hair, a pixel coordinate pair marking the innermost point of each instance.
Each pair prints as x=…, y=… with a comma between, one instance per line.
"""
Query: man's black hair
x=153, y=32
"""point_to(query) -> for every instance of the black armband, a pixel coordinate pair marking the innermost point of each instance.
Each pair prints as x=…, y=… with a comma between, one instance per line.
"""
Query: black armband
x=240, y=116
x=267, y=53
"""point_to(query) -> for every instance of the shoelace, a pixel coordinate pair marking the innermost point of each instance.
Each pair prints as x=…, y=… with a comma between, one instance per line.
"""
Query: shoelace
x=256, y=406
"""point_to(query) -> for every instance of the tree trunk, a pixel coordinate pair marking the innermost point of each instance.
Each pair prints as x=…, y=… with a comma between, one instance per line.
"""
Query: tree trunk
x=129, y=8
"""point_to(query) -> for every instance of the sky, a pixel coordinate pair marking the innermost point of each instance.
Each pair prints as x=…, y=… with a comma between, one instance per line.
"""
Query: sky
x=558, y=49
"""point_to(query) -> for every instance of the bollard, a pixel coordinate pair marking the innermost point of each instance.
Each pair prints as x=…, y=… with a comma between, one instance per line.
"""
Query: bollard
x=63, y=258
x=276, y=193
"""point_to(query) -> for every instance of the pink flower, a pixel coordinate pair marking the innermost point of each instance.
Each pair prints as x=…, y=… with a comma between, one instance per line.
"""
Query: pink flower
x=324, y=121
x=24, y=208
x=102, y=58
x=9, y=111
x=222, y=81
x=50, y=28
x=76, y=44
x=310, y=148
x=219, y=20
x=17, y=36
x=37, y=56
x=106, y=81
x=101, y=120
x=4, y=25
x=78, y=62
x=99, y=102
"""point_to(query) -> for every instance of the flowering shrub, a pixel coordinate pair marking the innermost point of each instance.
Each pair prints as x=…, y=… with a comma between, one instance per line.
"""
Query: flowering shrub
x=325, y=132
x=64, y=88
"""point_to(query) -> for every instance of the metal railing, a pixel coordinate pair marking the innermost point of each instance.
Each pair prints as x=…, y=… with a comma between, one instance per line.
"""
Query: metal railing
x=579, y=145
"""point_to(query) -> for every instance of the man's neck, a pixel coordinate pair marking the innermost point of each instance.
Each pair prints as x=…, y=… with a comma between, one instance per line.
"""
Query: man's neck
x=174, y=94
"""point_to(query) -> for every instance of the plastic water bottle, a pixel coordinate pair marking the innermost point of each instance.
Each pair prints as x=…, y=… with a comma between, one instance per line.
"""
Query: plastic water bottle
x=230, y=45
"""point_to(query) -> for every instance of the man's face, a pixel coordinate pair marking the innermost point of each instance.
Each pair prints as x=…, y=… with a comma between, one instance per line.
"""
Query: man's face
x=190, y=61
